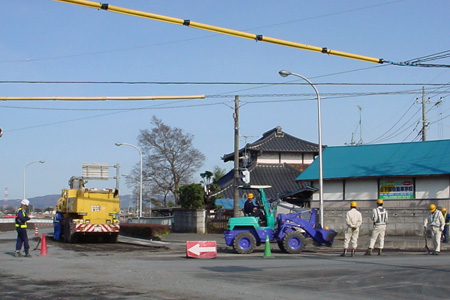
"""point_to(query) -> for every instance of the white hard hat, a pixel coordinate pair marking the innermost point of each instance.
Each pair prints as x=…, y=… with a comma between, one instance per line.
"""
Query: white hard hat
x=25, y=202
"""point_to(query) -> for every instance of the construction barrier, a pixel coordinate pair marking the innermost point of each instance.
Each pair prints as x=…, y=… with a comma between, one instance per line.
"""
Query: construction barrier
x=201, y=249
x=43, y=246
x=267, y=249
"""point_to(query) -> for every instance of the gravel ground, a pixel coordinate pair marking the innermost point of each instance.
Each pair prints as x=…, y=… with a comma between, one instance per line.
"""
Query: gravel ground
x=161, y=271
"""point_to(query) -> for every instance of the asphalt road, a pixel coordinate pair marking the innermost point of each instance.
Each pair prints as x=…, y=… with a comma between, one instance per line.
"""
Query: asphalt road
x=121, y=271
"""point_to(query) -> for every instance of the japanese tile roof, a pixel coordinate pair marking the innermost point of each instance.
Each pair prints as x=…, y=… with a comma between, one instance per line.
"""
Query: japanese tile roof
x=275, y=140
x=280, y=176
x=400, y=159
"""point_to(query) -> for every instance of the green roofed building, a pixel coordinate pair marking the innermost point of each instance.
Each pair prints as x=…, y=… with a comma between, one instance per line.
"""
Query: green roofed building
x=405, y=175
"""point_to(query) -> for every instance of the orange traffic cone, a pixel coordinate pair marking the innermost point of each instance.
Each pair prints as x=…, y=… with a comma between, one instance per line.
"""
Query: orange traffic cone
x=43, y=246
x=36, y=231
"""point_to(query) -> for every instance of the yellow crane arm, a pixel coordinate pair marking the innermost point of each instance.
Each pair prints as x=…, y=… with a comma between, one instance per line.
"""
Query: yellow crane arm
x=222, y=30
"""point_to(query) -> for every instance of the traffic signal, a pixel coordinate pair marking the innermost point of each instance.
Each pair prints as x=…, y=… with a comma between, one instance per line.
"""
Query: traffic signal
x=245, y=176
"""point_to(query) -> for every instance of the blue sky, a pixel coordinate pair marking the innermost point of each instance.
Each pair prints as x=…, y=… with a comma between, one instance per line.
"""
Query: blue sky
x=49, y=41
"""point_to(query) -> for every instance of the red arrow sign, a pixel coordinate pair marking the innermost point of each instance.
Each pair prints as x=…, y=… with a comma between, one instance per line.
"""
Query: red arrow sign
x=201, y=249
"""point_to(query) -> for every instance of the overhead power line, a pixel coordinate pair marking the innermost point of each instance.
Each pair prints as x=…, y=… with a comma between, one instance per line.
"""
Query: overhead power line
x=101, y=98
x=219, y=83
x=417, y=62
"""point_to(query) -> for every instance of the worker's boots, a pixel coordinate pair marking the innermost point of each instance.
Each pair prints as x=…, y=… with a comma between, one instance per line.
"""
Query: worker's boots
x=380, y=251
x=344, y=253
x=27, y=253
x=18, y=254
x=353, y=252
x=369, y=252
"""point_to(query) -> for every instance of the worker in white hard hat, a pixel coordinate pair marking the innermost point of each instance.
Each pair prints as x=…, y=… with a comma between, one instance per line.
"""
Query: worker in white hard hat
x=434, y=222
x=379, y=218
x=353, y=219
x=21, y=228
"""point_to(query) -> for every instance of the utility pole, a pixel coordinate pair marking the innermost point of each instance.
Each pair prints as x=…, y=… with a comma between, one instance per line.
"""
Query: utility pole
x=424, y=116
x=236, y=156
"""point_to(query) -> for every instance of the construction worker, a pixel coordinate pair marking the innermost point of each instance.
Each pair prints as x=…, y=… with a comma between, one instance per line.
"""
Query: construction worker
x=379, y=218
x=57, y=218
x=445, y=233
x=21, y=228
x=353, y=220
x=435, y=223
x=251, y=209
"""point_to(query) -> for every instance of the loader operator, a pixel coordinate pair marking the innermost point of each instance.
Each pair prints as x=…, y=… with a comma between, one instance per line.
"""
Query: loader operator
x=353, y=220
x=21, y=228
x=251, y=209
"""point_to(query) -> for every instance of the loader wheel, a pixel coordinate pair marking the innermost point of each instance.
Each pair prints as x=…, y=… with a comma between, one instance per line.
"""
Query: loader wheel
x=294, y=242
x=244, y=243
x=281, y=246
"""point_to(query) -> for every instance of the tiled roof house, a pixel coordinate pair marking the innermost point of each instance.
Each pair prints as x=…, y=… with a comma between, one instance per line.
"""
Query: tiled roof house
x=276, y=159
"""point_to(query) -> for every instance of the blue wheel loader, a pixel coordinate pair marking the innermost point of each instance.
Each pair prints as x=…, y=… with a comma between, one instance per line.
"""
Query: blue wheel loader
x=289, y=231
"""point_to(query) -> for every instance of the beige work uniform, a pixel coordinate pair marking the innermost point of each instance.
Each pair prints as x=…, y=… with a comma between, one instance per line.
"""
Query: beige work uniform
x=379, y=218
x=353, y=220
x=435, y=222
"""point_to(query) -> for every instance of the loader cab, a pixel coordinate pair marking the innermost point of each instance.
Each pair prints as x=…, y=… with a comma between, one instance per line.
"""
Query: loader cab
x=269, y=210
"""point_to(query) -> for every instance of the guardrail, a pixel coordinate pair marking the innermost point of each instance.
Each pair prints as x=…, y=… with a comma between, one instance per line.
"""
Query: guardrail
x=32, y=221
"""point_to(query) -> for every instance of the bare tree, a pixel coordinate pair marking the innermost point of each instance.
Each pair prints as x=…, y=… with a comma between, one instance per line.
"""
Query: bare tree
x=170, y=159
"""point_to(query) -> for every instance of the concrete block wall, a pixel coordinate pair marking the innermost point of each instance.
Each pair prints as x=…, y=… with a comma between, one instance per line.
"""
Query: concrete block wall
x=402, y=221
x=189, y=221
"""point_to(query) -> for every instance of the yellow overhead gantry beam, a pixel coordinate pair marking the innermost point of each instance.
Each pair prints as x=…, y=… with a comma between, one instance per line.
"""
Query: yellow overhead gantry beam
x=222, y=30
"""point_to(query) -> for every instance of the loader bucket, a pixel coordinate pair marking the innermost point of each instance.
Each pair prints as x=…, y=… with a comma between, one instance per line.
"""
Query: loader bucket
x=328, y=235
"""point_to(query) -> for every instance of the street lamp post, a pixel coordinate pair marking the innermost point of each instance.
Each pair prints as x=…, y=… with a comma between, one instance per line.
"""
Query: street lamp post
x=140, y=181
x=285, y=73
x=24, y=174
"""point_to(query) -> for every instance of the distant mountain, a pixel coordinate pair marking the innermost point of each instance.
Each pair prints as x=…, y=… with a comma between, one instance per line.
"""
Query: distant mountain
x=45, y=201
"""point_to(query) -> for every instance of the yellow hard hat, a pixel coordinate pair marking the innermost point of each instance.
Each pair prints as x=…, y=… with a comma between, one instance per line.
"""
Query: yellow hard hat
x=380, y=201
x=432, y=207
x=353, y=204
x=250, y=196
x=443, y=210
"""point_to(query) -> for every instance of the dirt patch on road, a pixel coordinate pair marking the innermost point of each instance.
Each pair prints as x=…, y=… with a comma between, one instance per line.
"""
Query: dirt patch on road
x=7, y=227
x=16, y=288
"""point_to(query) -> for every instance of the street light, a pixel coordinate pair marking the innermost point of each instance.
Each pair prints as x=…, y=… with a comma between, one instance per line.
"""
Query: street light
x=140, y=183
x=285, y=73
x=24, y=174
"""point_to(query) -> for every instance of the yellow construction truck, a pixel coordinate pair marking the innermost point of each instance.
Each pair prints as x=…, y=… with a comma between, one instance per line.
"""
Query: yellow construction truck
x=89, y=214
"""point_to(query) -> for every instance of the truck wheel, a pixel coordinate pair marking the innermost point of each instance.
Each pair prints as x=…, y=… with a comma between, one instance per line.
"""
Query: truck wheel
x=66, y=230
x=68, y=237
x=294, y=242
x=244, y=243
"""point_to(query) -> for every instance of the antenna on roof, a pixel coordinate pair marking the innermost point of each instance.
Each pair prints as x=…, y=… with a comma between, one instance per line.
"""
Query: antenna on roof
x=360, y=142
x=245, y=158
